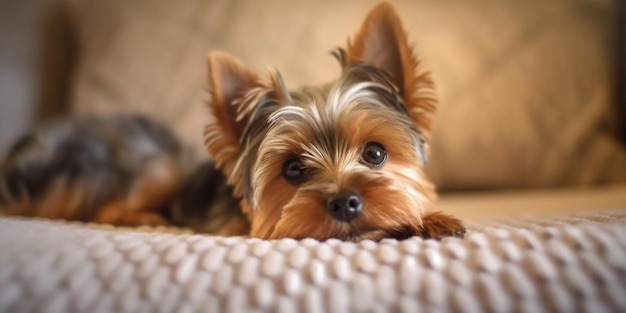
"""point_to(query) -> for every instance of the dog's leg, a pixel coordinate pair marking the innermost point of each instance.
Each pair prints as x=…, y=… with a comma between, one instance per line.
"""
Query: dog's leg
x=438, y=225
x=118, y=213
x=150, y=191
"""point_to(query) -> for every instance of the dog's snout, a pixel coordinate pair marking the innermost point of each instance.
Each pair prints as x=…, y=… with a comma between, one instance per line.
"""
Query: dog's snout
x=345, y=205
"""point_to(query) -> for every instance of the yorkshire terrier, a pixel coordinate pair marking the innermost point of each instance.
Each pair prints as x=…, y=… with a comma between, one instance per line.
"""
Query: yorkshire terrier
x=343, y=160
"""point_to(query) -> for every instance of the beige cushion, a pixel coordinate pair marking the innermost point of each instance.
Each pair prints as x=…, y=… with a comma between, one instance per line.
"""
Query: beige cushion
x=561, y=264
x=526, y=96
x=524, y=86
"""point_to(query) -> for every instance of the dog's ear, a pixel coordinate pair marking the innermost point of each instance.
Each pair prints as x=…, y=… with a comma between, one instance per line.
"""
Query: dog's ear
x=229, y=80
x=382, y=43
x=239, y=100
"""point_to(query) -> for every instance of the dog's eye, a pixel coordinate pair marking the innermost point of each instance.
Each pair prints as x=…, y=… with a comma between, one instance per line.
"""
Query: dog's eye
x=374, y=154
x=294, y=171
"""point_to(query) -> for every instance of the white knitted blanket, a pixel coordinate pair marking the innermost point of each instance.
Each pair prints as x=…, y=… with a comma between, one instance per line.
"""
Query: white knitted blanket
x=573, y=263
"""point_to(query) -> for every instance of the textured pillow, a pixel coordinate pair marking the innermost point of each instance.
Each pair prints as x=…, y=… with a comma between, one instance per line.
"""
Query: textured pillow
x=524, y=86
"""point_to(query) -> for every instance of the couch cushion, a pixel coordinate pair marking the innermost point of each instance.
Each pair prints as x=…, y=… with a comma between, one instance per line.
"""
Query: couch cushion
x=525, y=265
x=524, y=86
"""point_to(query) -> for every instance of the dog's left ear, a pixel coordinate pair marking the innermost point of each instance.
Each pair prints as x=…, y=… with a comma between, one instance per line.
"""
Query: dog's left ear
x=382, y=43
x=229, y=80
x=237, y=98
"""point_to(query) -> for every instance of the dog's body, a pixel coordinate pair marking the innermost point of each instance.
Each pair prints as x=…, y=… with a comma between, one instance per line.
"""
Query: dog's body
x=122, y=170
x=344, y=160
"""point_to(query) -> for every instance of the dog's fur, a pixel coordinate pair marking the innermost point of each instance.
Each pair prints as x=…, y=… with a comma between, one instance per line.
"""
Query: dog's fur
x=121, y=169
x=258, y=128
x=343, y=160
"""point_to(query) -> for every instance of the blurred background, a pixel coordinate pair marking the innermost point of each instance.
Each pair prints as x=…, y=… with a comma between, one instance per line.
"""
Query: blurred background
x=531, y=91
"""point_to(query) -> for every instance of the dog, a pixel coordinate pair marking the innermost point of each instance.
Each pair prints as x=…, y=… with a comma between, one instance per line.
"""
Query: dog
x=344, y=160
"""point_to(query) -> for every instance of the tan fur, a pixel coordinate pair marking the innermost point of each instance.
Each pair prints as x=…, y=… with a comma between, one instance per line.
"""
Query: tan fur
x=227, y=79
x=438, y=225
x=235, y=227
x=140, y=206
x=326, y=128
x=118, y=213
x=155, y=186
x=389, y=206
x=382, y=28
x=60, y=202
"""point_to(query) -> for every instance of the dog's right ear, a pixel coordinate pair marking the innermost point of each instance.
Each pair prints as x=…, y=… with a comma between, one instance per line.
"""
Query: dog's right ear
x=229, y=80
x=382, y=43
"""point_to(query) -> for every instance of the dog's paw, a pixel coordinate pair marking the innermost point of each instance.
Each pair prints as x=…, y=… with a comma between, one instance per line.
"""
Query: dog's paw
x=438, y=225
x=119, y=214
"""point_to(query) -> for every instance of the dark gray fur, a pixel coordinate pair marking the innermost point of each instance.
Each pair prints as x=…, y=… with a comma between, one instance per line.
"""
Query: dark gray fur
x=101, y=156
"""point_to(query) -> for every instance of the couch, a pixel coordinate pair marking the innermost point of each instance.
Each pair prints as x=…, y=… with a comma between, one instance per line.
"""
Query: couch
x=528, y=149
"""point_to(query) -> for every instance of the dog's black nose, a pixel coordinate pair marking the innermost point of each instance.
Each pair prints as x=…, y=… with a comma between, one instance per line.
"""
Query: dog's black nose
x=345, y=205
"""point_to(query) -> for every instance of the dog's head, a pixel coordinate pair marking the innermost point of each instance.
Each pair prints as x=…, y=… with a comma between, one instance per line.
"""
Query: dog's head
x=344, y=160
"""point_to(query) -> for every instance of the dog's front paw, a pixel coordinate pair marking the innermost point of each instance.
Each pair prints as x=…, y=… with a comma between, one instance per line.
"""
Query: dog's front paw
x=438, y=225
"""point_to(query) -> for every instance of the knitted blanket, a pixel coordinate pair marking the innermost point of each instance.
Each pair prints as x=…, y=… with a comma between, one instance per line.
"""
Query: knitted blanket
x=574, y=263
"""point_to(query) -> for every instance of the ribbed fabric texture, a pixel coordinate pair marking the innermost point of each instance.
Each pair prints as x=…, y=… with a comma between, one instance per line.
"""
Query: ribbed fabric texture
x=567, y=264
